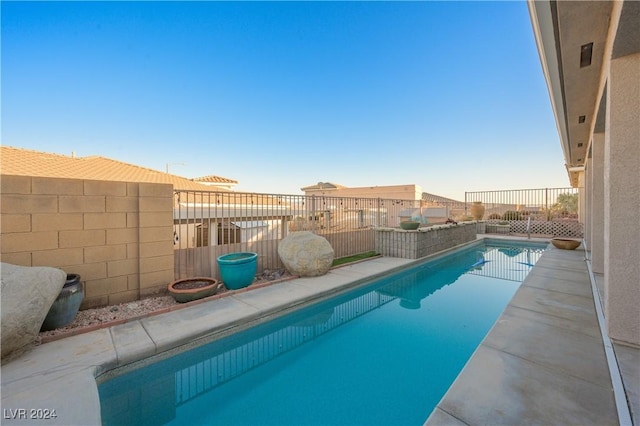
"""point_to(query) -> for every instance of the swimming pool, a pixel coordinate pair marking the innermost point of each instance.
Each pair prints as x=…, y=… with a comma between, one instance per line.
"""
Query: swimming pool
x=382, y=354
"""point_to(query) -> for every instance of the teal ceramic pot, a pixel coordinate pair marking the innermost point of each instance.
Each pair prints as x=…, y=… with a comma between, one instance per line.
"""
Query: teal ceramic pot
x=238, y=270
x=66, y=305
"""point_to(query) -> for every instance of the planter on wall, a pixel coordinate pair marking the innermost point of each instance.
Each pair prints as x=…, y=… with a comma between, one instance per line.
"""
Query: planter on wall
x=188, y=289
x=66, y=305
x=409, y=225
x=477, y=210
x=565, y=244
x=494, y=228
x=238, y=270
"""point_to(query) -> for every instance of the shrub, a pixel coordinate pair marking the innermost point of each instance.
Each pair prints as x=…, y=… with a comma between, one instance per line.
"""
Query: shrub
x=567, y=203
x=494, y=216
x=511, y=215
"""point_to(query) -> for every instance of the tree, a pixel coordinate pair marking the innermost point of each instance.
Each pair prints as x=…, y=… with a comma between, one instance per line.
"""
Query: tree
x=566, y=203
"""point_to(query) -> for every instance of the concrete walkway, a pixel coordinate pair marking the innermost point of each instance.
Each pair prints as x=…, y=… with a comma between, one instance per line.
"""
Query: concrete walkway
x=542, y=363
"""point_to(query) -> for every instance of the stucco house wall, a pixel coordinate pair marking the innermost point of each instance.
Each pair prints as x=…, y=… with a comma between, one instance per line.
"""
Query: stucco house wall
x=596, y=102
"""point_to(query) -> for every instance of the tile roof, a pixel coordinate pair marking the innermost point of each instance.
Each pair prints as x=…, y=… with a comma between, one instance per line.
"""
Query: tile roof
x=439, y=199
x=25, y=162
x=322, y=186
x=215, y=179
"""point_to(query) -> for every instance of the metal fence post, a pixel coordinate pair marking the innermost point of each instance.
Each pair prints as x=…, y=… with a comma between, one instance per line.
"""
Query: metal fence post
x=465, y=202
x=546, y=203
x=313, y=213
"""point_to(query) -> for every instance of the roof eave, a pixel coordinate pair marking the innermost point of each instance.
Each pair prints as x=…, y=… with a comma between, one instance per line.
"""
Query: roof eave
x=544, y=28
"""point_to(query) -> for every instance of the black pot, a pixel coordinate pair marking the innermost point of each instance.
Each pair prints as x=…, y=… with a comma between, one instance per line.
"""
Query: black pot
x=66, y=306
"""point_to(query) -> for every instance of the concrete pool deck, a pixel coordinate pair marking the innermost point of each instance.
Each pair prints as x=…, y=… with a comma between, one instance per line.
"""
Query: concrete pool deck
x=543, y=361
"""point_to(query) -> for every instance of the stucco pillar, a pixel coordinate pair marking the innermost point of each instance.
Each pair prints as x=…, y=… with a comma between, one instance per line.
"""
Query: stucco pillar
x=582, y=200
x=588, y=172
x=596, y=235
x=622, y=200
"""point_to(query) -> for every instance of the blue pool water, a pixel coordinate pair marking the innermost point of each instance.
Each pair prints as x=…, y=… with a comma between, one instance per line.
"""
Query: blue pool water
x=383, y=354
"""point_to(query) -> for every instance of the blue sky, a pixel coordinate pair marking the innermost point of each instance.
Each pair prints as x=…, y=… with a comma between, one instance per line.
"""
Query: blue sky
x=281, y=95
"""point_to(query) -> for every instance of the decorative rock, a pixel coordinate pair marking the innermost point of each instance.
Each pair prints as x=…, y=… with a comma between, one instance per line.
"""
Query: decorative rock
x=306, y=254
x=27, y=295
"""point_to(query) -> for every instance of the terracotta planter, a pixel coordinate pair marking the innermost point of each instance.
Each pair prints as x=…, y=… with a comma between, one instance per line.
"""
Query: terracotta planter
x=565, y=244
x=188, y=289
x=477, y=210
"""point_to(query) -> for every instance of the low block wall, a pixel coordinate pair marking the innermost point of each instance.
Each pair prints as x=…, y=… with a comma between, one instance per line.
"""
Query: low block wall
x=395, y=242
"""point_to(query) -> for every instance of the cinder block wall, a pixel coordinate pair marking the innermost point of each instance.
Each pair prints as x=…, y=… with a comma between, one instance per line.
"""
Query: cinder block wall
x=394, y=242
x=117, y=235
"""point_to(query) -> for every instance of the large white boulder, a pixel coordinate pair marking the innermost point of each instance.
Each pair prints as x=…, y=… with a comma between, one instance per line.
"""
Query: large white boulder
x=306, y=254
x=27, y=296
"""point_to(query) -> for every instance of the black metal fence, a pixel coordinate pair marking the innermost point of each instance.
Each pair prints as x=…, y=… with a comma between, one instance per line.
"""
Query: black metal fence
x=210, y=224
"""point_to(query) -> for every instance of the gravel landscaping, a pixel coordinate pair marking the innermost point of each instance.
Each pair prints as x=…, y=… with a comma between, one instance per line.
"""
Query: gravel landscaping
x=91, y=319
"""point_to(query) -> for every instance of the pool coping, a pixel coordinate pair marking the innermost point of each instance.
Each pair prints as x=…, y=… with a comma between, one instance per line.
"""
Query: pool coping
x=61, y=375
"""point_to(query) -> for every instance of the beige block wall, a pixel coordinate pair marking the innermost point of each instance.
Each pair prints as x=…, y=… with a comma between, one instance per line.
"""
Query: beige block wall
x=117, y=235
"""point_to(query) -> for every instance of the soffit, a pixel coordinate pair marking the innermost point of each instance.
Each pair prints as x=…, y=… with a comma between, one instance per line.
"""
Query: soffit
x=580, y=23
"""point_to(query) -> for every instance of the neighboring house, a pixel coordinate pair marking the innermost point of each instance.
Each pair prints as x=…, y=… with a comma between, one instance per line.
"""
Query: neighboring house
x=26, y=162
x=333, y=214
x=429, y=208
x=217, y=182
x=391, y=192
x=437, y=199
x=322, y=188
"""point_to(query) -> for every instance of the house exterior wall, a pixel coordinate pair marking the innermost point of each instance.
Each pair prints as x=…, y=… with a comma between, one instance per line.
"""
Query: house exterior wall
x=621, y=224
x=117, y=235
x=597, y=204
x=605, y=91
